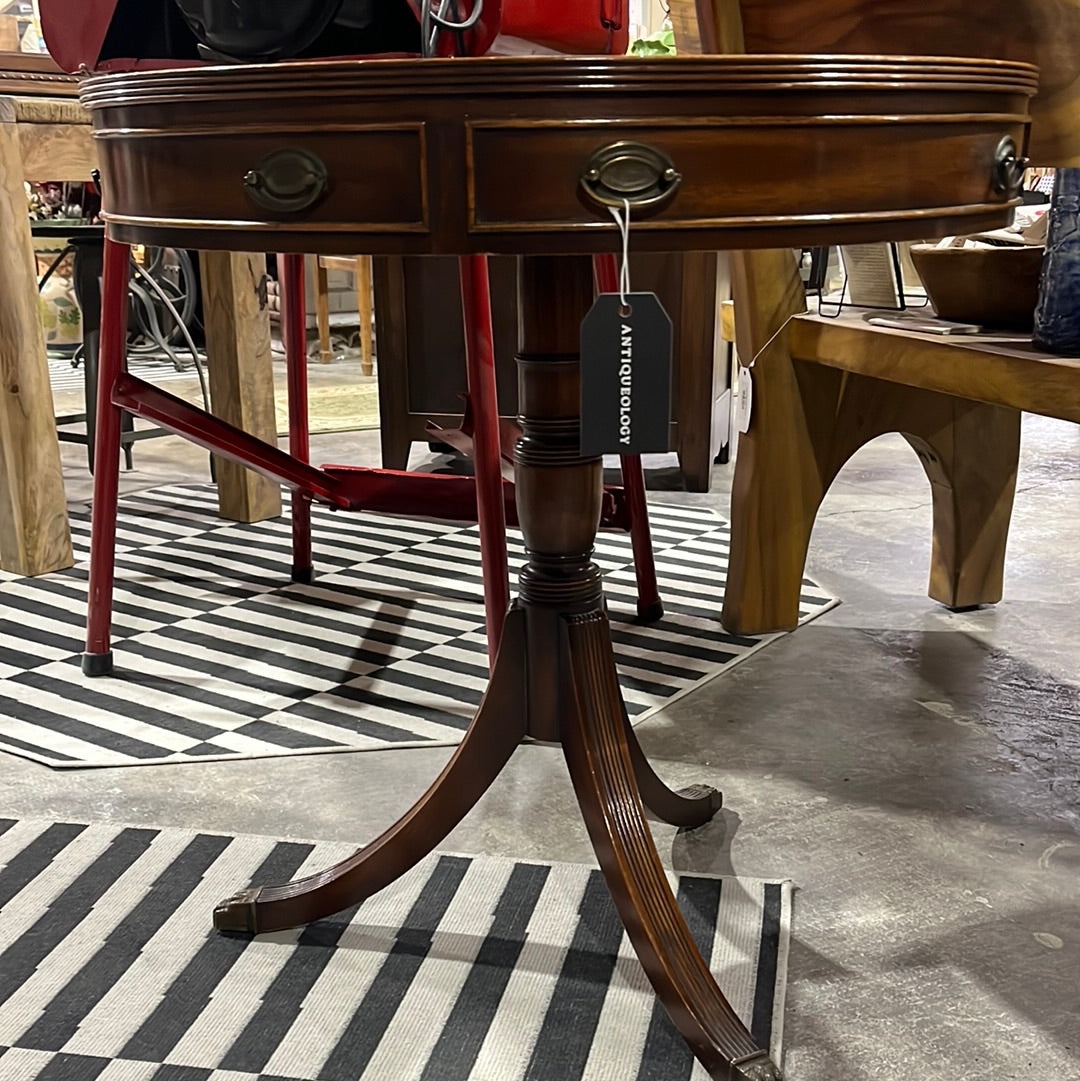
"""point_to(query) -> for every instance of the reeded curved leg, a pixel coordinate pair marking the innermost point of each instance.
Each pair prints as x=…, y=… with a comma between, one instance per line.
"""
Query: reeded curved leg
x=495, y=731
x=687, y=808
x=602, y=770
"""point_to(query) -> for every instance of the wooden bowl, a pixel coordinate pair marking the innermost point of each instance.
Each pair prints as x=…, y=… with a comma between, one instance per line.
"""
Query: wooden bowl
x=994, y=287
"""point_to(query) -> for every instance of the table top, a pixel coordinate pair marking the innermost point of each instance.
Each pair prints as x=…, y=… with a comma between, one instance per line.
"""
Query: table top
x=30, y=74
x=997, y=368
x=526, y=154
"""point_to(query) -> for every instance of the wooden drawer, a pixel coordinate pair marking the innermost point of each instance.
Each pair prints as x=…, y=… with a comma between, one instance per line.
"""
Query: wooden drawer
x=375, y=174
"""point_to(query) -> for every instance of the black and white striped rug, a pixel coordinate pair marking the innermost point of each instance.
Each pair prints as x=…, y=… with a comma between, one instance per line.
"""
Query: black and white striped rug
x=218, y=656
x=466, y=969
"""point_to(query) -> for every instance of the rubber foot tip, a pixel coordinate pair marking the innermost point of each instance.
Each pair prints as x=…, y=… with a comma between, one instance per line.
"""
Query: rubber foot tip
x=97, y=664
x=651, y=613
x=303, y=575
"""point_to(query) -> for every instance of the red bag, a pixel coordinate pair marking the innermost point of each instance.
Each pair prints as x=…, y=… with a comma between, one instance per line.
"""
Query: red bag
x=120, y=35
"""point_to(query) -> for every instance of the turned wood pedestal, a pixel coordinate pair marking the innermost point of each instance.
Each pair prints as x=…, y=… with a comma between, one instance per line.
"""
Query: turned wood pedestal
x=514, y=156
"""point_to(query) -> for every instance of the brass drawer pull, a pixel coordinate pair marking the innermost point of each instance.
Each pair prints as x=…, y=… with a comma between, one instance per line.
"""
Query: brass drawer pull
x=1009, y=169
x=287, y=181
x=633, y=172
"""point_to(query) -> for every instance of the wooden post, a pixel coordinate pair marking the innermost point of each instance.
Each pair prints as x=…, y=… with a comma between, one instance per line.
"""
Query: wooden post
x=34, y=536
x=241, y=374
x=364, y=304
x=322, y=311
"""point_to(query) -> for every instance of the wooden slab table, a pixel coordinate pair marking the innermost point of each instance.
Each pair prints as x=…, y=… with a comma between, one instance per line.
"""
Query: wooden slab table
x=40, y=138
x=49, y=138
x=998, y=369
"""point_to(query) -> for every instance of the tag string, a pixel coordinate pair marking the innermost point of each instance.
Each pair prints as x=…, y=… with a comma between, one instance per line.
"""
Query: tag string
x=622, y=220
x=783, y=327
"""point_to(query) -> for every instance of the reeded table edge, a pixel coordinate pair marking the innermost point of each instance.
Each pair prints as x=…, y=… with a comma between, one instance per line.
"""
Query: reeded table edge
x=380, y=77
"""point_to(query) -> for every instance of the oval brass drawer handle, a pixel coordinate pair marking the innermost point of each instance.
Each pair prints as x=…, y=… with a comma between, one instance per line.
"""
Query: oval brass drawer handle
x=1009, y=168
x=287, y=181
x=637, y=173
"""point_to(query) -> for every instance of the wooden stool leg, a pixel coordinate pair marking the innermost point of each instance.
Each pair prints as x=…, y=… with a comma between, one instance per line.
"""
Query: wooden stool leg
x=490, y=740
x=322, y=312
x=294, y=333
x=972, y=463
x=487, y=452
x=364, y=305
x=97, y=659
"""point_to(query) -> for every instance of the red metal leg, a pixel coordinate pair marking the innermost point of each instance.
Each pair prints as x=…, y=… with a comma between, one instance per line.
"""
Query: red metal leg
x=97, y=660
x=649, y=606
x=294, y=335
x=480, y=365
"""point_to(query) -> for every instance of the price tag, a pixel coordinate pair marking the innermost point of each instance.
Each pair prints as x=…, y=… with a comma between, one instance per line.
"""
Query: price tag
x=744, y=400
x=625, y=376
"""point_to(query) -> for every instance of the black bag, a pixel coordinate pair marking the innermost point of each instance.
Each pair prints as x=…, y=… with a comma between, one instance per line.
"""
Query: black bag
x=279, y=29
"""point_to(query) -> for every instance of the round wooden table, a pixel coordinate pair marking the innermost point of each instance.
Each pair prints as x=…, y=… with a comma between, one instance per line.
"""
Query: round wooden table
x=525, y=156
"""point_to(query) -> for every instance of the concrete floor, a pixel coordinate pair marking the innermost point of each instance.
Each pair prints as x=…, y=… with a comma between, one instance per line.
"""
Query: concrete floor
x=915, y=772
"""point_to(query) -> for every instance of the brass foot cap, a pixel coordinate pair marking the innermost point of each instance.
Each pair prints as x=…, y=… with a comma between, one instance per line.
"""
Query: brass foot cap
x=704, y=791
x=237, y=914
x=758, y=1068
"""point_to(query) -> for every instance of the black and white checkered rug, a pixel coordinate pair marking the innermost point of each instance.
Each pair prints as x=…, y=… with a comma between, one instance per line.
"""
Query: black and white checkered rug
x=466, y=969
x=218, y=656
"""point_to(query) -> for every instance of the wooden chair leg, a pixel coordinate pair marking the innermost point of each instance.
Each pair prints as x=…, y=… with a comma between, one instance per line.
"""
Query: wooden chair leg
x=972, y=464
x=97, y=659
x=322, y=311
x=364, y=306
x=294, y=332
x=650, y=607
x=395, y=433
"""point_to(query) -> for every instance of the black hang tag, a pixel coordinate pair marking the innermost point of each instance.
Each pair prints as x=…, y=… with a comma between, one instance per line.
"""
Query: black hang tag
x=625, y=376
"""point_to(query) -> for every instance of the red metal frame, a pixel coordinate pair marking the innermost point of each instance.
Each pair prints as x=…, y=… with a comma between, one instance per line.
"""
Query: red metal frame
x=483, y=397
x=112, y=358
